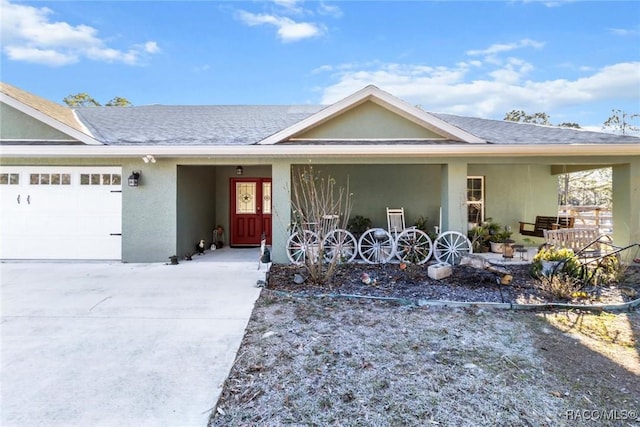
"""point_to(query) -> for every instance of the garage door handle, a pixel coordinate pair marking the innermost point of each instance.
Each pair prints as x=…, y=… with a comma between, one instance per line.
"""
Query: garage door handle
x=115, y=234
x=29, y=199
x=18, y=199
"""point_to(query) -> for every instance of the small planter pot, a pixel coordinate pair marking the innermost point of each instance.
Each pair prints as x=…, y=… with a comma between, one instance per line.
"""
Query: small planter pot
x=497, y=247
x=548, y=267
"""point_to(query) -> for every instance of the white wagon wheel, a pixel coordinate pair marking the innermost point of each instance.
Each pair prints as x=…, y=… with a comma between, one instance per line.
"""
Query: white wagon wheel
x=413, y=246
x=376, y=246
x=341, y=244
x=451, y=246
x=302, y=245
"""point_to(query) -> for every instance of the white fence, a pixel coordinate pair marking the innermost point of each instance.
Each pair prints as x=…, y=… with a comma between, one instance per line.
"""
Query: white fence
x=589, y=216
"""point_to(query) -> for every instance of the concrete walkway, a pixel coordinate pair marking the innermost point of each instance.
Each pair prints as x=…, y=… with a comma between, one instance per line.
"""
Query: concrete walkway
x=99, y=344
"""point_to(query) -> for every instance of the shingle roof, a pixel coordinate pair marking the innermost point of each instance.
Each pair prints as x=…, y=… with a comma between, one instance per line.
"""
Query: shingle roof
x=506, y=132
x=249, y=124
x=191, y=125
x=57, y=112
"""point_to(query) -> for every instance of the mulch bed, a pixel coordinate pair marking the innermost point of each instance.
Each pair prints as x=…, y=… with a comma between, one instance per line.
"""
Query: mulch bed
x=466, y=284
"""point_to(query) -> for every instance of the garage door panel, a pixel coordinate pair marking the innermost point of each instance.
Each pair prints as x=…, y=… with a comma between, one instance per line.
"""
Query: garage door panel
x=61, y=213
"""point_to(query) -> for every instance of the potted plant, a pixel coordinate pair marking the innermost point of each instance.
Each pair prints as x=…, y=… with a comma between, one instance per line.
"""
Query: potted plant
x=357, y=225
x=479, y=237
x=497, y=236
x=548, y=259
x=422, y=224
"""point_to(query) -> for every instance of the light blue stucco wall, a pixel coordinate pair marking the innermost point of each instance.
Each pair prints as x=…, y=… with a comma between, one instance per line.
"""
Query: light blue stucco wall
x=626, y=203
x=368, y=121
x=375, y=187
x=517, y=192
x=149, y=216
x=16, y=125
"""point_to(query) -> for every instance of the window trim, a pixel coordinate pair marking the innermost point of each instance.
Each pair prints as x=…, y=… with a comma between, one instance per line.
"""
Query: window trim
x=481, y=201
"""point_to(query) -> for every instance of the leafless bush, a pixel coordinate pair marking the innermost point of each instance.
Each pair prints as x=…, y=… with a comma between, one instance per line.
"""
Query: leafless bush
x=561, y=286
x=319, y=208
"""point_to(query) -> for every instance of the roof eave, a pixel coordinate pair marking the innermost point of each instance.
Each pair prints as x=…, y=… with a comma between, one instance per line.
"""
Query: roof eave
x=303, y=150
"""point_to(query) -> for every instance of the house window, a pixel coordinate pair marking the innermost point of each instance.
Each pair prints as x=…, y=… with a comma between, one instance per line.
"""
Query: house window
x=49, y=179
x=266, y=197
x=246, y=198
x=100, y=179
x=9, y=179
x=475, y=200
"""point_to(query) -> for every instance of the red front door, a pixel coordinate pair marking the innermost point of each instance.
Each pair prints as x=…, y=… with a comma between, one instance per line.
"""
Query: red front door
x=250, y=211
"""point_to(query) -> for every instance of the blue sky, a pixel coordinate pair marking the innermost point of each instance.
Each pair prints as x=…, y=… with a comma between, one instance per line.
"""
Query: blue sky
x=574, y=60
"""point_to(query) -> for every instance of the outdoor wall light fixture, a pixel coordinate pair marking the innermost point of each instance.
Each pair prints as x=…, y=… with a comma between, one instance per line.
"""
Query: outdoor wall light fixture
x=149, y=159
x=134, y=179
x=239, y=170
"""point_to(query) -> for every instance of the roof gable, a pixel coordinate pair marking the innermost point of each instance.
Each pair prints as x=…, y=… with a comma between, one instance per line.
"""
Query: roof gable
x=367, y=121
x=361, y=110
x=57, y=118
x=18, y=127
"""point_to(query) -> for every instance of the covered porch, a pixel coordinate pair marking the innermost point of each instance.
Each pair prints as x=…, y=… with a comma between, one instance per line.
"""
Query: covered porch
x=442, y=190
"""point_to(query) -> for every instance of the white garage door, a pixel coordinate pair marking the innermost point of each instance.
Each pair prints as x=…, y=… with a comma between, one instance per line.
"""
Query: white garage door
x=61, y=212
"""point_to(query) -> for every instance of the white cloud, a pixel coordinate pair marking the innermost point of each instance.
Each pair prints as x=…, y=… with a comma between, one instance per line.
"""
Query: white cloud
x=491, y=53
x=288, y=30
x=291, y=6
x=202, y=68
x=151, y=47
x=332, y=10
x=286, y=3
x=626, y=31
x=30, y=35
x=556, y=3
x=486, y=88
x=455, y=90
x=40, y=56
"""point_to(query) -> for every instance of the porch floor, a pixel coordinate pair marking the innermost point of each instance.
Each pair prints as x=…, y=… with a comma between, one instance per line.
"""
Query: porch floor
x=498, y=259
x=228, y=254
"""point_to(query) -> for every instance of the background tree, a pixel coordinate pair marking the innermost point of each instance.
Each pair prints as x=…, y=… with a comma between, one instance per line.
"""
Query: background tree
x=83, y=99
x=539, y=118
x=118, y=102
x=619, y=122
x=586, y=188
x=80, y=100
x=569, y=125
x=522, y=117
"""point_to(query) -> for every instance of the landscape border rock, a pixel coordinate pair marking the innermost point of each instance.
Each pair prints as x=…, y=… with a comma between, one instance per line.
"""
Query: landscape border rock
x=616, y=308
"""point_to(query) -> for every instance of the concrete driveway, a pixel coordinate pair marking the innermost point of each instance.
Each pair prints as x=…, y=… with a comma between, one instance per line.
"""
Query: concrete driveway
x=99, y=344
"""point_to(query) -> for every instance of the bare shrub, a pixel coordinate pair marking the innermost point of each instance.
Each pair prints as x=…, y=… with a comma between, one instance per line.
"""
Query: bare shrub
x=319, y=208
x=561, y=286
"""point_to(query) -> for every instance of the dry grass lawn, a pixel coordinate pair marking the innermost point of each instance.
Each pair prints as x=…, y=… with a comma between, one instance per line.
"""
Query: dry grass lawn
x=323, y=361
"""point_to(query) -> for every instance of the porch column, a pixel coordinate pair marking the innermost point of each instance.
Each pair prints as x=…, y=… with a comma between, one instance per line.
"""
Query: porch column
x=281, y=205
x=454, y=196
x=626, y=203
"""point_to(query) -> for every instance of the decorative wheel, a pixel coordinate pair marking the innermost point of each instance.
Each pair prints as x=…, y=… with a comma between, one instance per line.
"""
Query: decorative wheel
x=451, y=246
x=303, y=246
x=340, y=244
x=413, y=246
x=376, y=246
